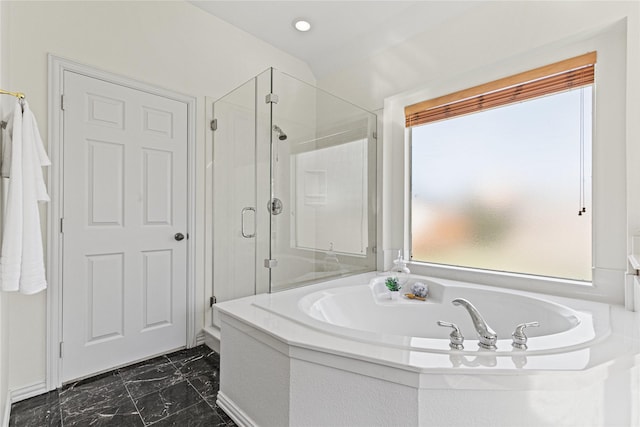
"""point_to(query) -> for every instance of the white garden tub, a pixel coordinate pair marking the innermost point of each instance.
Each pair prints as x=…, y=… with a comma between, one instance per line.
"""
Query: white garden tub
x=367, y=313
x=344, y=353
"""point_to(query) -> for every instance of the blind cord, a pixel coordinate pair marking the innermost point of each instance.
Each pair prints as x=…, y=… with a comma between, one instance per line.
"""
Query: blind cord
x=581, y=208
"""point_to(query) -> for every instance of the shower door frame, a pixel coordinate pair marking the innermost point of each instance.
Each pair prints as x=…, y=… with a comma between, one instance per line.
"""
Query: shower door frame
x=56, y=68
x=260, y=251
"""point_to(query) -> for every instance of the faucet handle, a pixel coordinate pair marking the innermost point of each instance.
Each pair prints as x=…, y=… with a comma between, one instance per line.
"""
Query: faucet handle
x=455, y=336
x=519, y=338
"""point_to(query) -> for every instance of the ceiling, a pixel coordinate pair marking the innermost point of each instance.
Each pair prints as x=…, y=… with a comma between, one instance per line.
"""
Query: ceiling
x=342, y=31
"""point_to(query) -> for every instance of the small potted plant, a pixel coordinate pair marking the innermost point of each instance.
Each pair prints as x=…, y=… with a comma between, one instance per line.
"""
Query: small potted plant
x=393, y=285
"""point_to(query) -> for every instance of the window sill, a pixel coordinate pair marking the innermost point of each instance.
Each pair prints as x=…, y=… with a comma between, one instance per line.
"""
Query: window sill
x=546, y=285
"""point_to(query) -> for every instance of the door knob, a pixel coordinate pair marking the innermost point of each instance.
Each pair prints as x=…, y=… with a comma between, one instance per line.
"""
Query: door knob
x=178, y=236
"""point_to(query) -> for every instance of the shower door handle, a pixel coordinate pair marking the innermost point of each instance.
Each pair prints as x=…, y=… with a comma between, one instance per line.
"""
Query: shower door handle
x=242, y=216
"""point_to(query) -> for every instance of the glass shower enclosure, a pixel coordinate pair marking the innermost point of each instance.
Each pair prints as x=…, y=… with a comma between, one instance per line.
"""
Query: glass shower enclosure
x=294, y=197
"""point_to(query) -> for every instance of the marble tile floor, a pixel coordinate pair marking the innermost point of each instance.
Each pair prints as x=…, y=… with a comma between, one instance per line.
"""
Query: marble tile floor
x=177, y=389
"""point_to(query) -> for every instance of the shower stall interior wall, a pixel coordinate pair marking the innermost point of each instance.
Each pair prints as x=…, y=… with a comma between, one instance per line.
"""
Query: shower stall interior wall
x=294, y=197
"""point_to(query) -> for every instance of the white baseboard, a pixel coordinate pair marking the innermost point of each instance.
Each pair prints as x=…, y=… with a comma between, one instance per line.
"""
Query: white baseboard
x=6, y=414
x=200, y=338
x=236, y=414
x=631, y=284
x=26, y=392
x=19, y=394
x=212, y=338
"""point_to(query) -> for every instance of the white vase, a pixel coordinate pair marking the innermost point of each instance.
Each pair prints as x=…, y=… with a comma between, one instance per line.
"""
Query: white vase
x=393, y=295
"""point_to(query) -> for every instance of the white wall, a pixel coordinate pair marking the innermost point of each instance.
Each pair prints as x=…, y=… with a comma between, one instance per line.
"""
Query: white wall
x=506, y=37
x=171, y=44
x=4, y=358
x=486, y=34
x=4, y=336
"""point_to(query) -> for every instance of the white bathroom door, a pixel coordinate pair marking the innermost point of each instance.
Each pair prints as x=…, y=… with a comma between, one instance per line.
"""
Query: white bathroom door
x=125, y=209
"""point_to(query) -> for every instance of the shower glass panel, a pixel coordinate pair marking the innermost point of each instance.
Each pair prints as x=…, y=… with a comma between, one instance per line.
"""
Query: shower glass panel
x=294, y=195
x=236, y=167
x=323, y=158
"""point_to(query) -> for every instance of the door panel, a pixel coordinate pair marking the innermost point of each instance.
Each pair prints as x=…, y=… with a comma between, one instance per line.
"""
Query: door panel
x=105, y=297
x=157, y=287
x=125, y=198
x=157, y=178
x=105, y=172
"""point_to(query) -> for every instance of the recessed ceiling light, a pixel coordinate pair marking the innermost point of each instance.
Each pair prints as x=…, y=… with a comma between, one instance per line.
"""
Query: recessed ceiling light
x=302, y=25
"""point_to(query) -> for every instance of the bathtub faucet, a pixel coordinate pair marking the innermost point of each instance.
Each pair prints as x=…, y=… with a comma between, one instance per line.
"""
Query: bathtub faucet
x=487, y=337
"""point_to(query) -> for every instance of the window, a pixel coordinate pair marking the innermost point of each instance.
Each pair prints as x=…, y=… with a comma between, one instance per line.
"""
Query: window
x=501, y=174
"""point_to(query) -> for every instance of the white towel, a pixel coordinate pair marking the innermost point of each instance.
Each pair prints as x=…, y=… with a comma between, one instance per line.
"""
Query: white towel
x=5, y=169
x=21, y=258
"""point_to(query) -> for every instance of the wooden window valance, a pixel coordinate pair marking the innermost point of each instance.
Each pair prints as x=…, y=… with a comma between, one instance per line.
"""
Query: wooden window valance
x=564, y=75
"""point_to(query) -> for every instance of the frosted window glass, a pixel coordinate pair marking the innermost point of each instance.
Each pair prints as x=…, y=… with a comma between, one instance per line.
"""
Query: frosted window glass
x=501, y=189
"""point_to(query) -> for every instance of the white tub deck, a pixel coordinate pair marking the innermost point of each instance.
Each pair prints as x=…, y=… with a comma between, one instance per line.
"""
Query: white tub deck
x=280, y=366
